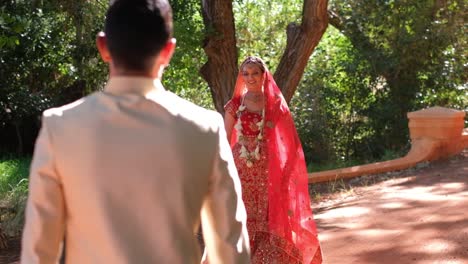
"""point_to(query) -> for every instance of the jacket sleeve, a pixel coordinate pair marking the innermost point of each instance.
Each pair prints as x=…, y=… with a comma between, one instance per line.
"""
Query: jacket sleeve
x=223, y=214
x=44, y=220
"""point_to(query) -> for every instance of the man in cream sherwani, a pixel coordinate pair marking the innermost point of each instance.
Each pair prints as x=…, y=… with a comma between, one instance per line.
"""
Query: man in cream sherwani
x=127, y=174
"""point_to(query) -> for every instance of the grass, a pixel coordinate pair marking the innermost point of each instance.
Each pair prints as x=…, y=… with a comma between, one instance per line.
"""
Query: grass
x=14, y=172
x=320, y=190
x=345, y=187
x=337, y=164
x=331, y=166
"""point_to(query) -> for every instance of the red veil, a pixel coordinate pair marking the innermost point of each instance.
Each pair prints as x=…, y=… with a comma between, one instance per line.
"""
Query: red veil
x=289, y=212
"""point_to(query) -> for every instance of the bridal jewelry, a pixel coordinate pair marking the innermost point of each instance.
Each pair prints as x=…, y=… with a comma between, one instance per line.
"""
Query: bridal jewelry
x=255, y=97
x=249, y=156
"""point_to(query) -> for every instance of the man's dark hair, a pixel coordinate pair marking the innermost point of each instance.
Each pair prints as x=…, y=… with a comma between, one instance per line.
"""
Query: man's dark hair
x=136, y=31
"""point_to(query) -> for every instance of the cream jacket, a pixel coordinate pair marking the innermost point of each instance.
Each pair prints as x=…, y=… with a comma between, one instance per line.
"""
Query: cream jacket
x=126, y=175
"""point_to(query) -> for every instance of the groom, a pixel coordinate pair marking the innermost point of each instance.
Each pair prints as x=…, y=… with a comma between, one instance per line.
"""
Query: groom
x=127, y=174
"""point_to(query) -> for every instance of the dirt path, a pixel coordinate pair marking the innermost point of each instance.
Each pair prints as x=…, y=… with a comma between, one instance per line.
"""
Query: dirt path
x=419, y=216
x=11, y=255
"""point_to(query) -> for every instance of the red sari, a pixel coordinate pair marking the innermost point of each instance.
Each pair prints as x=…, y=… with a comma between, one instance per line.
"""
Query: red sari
x=275, y=188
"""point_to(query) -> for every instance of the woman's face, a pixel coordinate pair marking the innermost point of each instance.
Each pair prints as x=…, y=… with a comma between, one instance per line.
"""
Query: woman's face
x=253, y=77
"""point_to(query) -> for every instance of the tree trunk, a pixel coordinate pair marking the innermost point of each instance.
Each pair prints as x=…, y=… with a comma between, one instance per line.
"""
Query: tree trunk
x=220, y=46
x=301, y=42
x=19, y=148
x=220, y=71
x=78, y=20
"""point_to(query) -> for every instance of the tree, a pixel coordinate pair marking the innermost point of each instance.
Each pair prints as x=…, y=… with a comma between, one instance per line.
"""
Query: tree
x=221, y=69
x=350, y=106
x=406, y=43
x=46, y=61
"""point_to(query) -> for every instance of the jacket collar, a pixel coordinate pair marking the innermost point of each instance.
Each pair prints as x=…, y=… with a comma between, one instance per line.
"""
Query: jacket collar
x=133, y=85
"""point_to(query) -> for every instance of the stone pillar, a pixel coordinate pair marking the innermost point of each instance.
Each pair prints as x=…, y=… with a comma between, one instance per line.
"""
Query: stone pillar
x=441, y=125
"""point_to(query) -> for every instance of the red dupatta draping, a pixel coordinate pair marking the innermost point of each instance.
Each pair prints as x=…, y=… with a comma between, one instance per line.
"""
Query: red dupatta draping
x=289, y=212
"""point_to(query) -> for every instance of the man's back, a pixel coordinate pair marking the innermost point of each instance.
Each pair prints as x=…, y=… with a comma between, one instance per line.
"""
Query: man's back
x=134, y=166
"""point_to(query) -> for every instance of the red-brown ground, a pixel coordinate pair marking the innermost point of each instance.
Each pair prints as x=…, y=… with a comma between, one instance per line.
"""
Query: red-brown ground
x=417, y=216
x=11, y=256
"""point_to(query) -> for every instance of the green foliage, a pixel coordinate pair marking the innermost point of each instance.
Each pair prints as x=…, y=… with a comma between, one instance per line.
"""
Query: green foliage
x=388, y=58
x=182, y=76
x=417, y=53
x=48, y=58
x=25, y=58
x=261, y=27
x=331, y=100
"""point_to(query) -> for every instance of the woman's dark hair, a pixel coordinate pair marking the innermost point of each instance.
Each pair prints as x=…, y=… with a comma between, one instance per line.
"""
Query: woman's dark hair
x=254, y=60
x=136, y=31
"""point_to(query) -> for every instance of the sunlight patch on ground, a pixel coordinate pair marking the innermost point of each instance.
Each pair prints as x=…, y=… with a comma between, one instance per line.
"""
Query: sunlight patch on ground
x=438, y=246
x=323, y=236
x=393, y=205
x=427, y=194
x=454, y=262
x=370, y=233
x=453, y=186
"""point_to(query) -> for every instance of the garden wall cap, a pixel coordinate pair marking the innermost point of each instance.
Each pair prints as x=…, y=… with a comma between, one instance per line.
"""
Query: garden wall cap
x=437, y=112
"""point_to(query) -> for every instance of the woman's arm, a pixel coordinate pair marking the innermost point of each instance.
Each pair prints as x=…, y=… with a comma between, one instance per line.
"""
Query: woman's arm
x=229, y=122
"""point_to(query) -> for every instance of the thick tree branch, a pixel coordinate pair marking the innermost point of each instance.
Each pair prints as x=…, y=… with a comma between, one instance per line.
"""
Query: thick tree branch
x=335, y=20
x=220, y=71
x=301, y=41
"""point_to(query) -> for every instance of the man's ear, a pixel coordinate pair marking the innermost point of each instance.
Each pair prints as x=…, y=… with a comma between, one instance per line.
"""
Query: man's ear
x=101, y=44
x=165, y=54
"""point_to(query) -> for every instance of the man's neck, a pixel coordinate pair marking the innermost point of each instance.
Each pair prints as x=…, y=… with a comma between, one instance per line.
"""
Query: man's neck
x=126, y=73
x=122, y=72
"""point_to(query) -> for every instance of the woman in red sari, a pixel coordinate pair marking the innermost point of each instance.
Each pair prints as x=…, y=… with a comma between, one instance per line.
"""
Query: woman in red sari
x=271, y=165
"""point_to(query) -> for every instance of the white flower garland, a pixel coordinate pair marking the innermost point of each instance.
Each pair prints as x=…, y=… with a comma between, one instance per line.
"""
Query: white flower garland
x=249, y=156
